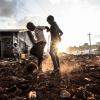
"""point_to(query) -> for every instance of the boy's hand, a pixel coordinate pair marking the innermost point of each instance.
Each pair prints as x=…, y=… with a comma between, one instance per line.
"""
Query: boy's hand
x=47, y=28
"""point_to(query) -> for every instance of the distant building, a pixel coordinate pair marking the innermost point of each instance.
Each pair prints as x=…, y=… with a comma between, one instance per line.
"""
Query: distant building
x=93, y=51
x=98, y=43
x=84, y=49
x=23, y=38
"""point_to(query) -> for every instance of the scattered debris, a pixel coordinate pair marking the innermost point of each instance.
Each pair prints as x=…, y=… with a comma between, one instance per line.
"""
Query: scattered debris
x=20, y=81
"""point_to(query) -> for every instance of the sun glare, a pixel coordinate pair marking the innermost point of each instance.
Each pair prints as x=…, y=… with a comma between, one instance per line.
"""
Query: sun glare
x=61, y=47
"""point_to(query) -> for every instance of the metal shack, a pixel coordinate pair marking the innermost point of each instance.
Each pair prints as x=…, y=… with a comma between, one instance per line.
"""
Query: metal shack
x=22, y=37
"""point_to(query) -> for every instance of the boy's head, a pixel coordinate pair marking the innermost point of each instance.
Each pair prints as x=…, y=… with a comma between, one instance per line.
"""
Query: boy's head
x=50, y=19
x=30, y=26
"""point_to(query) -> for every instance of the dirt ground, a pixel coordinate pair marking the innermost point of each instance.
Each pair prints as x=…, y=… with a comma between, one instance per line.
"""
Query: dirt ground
x=79, y=79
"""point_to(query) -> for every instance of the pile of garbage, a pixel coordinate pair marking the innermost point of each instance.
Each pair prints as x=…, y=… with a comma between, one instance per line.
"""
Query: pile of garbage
x=17, y=79
x=20, y=81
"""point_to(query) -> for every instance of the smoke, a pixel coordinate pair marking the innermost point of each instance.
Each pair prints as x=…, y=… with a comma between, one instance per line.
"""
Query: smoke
x=47, y=64
x=7, y=8
x=66, y=67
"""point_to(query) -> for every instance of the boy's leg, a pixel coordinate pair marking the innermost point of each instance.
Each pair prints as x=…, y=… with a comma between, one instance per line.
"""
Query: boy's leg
x=41, y=46
x=37, y=50
x=40, y=65
x=53, y=57
x=53, y=54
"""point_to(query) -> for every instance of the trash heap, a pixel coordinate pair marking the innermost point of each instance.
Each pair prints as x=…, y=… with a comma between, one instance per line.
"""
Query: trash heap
x=20, y=81
x=17, y=79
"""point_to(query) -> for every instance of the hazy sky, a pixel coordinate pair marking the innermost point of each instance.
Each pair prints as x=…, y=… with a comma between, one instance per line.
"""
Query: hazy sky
x=76, y=18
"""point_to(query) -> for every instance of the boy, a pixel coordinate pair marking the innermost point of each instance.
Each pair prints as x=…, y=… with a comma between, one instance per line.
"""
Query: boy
x=40, y=42
x=56, y=34
x=16, y=52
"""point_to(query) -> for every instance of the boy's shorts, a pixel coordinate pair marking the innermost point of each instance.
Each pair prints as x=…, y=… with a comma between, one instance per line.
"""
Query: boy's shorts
x=37, y=49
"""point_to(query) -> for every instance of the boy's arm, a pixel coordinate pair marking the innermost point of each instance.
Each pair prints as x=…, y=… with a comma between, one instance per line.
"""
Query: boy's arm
x=60, y=31
x=31, y=37
x=43, y=28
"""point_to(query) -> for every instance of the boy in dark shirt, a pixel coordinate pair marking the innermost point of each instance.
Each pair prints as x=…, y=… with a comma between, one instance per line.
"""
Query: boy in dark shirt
x=56, y=34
